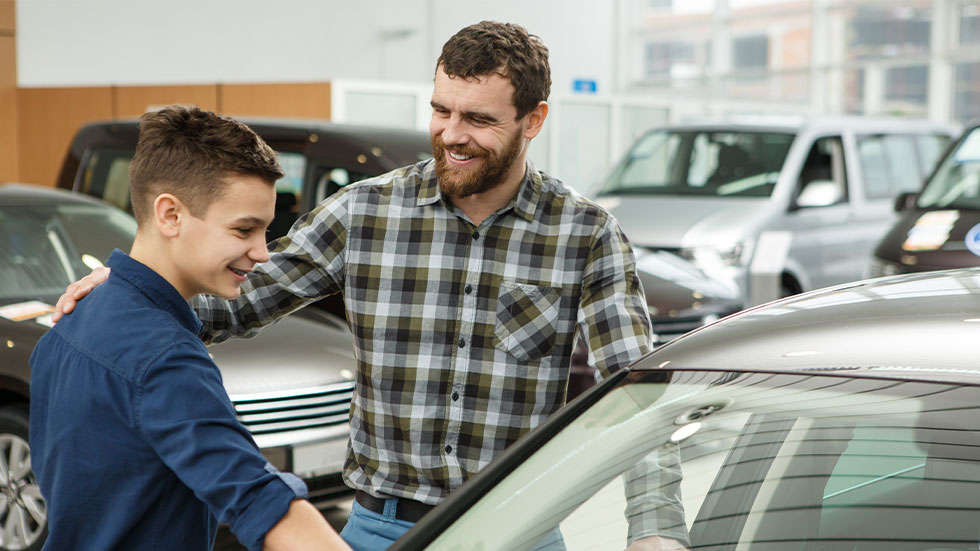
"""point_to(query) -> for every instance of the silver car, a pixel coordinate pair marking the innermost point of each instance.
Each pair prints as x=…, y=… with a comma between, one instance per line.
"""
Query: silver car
x=844, y=419
x=775, y=207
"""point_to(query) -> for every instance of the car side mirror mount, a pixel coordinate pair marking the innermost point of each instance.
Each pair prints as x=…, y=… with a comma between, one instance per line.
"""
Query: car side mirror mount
x=906, y=201
x=818, y=193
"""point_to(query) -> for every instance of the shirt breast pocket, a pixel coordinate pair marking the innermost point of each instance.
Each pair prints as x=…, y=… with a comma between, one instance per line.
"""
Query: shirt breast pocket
x=527, y=316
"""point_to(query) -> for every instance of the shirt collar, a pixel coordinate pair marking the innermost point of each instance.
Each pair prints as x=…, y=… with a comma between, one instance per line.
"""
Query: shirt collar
x=524, y=203
x=158, y=290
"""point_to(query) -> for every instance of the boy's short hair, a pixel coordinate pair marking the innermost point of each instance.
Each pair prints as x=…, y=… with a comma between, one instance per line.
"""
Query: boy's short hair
x=490, y=47
x=188, y=151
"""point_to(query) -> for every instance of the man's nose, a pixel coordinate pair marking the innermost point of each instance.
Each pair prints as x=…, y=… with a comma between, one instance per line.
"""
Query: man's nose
x=454, y=132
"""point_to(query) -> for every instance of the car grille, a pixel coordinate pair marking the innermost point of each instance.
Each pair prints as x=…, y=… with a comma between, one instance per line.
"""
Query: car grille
x=270, y=413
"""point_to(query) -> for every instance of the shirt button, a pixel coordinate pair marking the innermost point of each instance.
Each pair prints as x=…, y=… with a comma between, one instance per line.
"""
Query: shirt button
x=468, y=289
x=449, y=449
x=476, y=235
x=455, y=396
x=462, y=342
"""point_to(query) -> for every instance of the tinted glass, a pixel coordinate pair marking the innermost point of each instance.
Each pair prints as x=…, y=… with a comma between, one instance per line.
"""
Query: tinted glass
x=105, y=175
x=749, y=461
x=736, y=164
x=44, y=248
x=956, y=183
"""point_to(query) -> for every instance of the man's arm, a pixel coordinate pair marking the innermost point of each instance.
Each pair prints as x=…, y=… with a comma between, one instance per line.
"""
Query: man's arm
x=613, y=318
x=615, y=324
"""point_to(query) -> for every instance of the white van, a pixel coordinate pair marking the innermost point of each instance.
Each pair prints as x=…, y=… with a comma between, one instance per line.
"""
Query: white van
x=774, y=207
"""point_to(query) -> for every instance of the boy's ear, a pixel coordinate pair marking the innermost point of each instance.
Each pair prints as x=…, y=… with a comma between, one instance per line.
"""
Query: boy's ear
x=168, y=213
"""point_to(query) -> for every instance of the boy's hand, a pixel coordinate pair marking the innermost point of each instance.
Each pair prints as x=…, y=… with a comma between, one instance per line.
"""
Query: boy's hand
x=77, y=290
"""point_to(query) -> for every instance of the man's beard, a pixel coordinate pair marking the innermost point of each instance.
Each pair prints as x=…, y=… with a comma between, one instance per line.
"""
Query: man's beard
x=459, y=183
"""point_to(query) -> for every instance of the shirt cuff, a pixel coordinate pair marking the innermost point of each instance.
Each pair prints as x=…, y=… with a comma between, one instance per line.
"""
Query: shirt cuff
x=268, y=508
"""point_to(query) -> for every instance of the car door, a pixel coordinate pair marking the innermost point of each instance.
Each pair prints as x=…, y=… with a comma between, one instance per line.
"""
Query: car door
x=820, y=214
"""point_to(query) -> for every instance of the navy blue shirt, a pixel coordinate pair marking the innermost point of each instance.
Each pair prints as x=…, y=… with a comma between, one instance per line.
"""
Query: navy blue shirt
x=134, y=441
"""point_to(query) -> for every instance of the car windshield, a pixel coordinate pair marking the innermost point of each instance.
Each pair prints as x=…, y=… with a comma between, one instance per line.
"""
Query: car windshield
x=744, y=461
x=701, y=162
x=956, y=183
x=43, y=248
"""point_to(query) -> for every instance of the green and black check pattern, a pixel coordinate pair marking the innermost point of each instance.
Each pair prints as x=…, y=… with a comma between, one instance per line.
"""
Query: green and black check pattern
x=462, y=333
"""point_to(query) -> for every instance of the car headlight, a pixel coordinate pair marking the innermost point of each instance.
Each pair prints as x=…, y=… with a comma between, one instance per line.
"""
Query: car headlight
x=712, y=257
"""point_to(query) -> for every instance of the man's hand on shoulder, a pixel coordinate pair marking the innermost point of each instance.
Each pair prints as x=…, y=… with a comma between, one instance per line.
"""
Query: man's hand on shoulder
x=77, y=290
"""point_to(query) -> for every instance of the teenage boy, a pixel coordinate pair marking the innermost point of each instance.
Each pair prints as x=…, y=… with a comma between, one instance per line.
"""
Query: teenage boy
x=134, y=441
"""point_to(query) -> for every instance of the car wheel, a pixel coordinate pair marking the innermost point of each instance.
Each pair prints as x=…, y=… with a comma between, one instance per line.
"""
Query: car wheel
x=23, y=512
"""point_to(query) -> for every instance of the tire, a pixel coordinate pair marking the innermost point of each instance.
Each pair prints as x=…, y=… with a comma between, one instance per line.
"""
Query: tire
x=23, y=512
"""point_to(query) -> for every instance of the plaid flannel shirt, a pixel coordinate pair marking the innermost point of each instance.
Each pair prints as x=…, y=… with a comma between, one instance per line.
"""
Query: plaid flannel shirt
x=462, y=333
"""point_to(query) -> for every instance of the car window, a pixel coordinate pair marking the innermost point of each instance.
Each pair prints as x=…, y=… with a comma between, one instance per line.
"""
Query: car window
x=719, y=163
x=105, y=174
x=889, y=165
x=956, y=182
x=329, y=180
x=746, y=461
x=44, y=248
x=823, y=177
x=931, y=148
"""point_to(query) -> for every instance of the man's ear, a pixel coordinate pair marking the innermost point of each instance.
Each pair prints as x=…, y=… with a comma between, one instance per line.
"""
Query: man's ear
x=535, y=120
x=168, y=213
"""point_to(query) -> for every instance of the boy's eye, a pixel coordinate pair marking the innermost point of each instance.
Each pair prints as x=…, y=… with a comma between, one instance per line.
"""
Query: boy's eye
x=244, y=231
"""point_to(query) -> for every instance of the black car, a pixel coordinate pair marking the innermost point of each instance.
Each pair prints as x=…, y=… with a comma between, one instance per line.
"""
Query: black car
x=939, y=227
x=843, y=419
x=319, y=157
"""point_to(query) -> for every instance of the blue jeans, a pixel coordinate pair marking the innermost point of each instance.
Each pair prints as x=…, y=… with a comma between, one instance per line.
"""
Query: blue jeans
x=369, y=531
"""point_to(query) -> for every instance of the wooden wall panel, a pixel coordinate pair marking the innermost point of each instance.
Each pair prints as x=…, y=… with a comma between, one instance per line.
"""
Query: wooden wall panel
x=276, y=100
x=133, y=101
x=7, y=20
x=47, y=119
x=8, y=110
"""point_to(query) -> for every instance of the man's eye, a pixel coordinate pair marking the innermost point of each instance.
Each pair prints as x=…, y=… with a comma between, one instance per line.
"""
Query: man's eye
x=244, y=231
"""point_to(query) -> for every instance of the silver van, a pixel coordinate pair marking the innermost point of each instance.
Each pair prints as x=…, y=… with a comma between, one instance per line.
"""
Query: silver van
x=773, y=207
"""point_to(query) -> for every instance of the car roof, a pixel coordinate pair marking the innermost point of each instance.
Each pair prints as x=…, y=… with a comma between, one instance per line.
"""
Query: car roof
x=920, y=326
x=15, y=193
x=817, y=124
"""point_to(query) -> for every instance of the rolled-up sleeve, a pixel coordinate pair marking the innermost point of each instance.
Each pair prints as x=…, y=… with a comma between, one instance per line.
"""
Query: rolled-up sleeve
x=187, y=418
x=613, y=317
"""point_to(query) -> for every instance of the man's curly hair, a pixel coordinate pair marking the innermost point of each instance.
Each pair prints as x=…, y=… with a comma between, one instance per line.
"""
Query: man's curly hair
x=490, y=47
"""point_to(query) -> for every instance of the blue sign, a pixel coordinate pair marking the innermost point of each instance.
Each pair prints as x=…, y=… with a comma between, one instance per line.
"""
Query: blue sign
x=972, y=240
x=584, y=85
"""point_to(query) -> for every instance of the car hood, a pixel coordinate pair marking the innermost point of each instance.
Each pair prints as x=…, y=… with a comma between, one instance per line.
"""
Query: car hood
x=674, y=285
x=920, y=326
x=672, y=222
x=925, y=240
x=307, y=349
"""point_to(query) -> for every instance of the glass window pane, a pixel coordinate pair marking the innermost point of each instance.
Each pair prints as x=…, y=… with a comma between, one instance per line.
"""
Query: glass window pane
x=969, y=18
x=906, y=90
x=887, y=30
x=966, y=100
x=874, y=166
